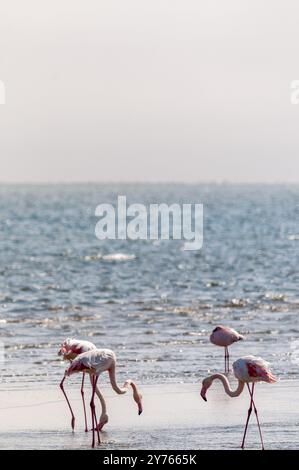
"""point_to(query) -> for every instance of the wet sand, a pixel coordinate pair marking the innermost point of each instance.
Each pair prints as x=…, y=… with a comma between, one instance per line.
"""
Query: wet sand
x=174, y=417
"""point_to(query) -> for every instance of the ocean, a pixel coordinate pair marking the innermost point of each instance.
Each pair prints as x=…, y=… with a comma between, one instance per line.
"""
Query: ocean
x=151, y=302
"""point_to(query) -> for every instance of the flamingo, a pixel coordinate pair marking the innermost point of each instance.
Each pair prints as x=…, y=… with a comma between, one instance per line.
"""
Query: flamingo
x=247, y=369
x=94, y=362
x=225, y=336
x=70, y=349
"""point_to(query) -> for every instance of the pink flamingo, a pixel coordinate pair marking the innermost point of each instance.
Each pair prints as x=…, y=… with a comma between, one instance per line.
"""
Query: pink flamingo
x=70, y=349
x=95, y=362
x=248, y=369
x=225, y=336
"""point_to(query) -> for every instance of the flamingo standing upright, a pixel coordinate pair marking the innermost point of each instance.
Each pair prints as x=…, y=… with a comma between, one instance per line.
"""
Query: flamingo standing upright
x=247, y=369
x=95, y=362
x=224, y=336
x=69, y=350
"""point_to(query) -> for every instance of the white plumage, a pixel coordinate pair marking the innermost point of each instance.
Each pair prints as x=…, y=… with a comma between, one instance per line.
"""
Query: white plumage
x=96, y=360
x=253, y=369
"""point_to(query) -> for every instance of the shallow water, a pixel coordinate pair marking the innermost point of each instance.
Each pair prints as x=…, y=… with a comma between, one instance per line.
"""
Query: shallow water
x=156, y=308
x=174, y=417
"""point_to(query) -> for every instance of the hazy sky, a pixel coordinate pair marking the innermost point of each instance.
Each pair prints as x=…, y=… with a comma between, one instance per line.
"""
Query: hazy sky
x=149, y=90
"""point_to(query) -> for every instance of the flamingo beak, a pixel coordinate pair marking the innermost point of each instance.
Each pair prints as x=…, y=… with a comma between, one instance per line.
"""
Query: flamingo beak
x=138, y=399
x=203, y=393
x=140, y=407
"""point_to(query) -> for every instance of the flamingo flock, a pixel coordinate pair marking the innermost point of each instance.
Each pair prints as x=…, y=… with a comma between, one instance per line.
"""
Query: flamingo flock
x=84, y=357
x=247, y=370
x=69, y=350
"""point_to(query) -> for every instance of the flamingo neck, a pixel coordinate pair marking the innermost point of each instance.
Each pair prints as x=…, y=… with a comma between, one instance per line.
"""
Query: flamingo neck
x=102, y=401
x=226, y=385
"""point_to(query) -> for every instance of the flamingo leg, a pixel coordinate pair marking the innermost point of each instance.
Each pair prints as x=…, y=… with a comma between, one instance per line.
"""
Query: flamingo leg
x=95, y=416
x=247, y=421
x=91, y=382
x=104, y=417
x=226, y=368
x=256, y=414
x=84, y=407
x=227, y=358
x=96, y=425
x=92, y=407
x=69, y=405
x=92, y=411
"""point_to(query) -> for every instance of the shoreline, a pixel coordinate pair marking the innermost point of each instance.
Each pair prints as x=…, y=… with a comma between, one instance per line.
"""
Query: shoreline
x=174, y=417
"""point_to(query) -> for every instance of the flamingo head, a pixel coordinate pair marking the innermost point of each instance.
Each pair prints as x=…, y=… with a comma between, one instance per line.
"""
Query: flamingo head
x=136, y=395
x=63, y=350
x=206, y=383
x=138, y=399
x=68, y=350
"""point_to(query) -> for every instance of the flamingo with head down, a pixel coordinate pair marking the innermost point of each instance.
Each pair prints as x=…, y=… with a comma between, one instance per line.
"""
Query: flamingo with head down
x=95, y=362
x=69, y=350
x=224, y=336
x=248, y=369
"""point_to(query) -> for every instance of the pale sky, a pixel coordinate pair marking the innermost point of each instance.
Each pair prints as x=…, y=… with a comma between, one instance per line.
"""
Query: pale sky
x=149, y=90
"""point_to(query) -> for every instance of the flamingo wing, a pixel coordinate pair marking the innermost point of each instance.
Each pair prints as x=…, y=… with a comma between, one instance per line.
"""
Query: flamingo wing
x=72, y=347
x=96, y=360
x=261, y=371
x=253, y=369
x=224, y=336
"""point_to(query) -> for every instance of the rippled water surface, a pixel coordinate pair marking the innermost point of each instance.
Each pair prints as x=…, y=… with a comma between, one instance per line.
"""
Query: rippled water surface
x=156, y=305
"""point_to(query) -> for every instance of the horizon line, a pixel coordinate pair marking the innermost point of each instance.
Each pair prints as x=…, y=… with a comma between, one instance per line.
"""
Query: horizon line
x=175, y=182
